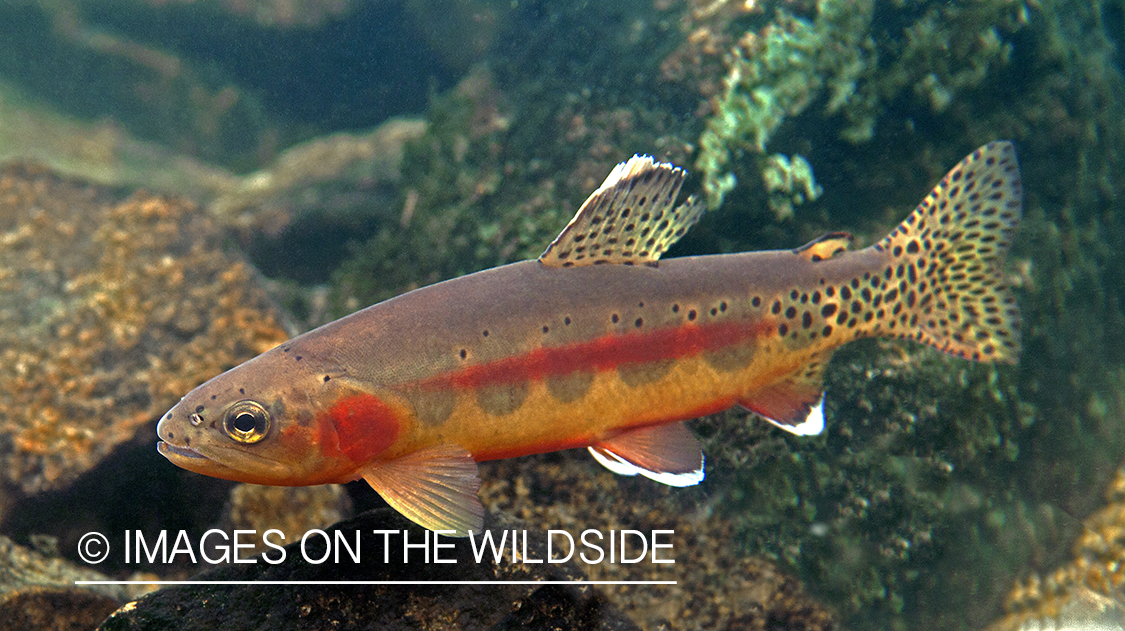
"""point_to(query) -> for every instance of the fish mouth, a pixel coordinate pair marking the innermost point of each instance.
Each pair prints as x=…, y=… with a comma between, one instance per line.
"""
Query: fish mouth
x=172, y=452
x=192, y=460
x=253, y=469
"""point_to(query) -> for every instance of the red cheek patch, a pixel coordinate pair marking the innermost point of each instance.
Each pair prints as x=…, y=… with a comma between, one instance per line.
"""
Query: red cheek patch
x=365, y=426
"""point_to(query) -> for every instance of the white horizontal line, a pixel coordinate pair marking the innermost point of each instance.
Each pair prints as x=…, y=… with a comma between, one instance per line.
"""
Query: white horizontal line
x=376, y=582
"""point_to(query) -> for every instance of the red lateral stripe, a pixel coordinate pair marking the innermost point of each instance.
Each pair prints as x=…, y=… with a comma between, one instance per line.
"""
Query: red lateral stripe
x=603, y=353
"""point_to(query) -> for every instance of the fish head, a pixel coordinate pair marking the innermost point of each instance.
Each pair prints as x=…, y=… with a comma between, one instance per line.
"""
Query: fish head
x=284, y=418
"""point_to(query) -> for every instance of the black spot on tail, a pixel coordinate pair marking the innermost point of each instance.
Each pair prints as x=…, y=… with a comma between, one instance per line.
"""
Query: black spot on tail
x=948, y=289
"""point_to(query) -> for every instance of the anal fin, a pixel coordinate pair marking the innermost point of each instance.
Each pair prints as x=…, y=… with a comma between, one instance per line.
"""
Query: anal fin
x=435, y=488
x=669, y=454
x=794, y=403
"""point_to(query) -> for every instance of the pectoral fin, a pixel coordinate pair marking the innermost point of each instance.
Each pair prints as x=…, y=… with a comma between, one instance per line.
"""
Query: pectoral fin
x=668, y=454
x=435, y=488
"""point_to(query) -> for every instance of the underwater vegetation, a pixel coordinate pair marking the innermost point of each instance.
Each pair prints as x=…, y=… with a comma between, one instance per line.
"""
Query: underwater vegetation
x=850, y=60
x=968, y=487
x=934, y=476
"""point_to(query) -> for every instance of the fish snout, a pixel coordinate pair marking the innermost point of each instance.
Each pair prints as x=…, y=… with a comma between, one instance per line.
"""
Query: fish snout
x=179, y=431
x=179, y=425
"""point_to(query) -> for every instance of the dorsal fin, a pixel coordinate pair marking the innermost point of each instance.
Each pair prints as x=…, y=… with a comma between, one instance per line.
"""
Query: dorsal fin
x=631, y=219
x=825, y=246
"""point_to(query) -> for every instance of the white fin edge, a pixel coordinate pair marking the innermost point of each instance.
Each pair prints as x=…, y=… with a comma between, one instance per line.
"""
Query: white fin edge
x=811, y=426
x=632, y=218
x=616, y=464
x=637, y=164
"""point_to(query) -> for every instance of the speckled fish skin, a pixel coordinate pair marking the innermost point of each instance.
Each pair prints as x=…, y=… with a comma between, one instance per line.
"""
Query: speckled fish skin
x=598, y=344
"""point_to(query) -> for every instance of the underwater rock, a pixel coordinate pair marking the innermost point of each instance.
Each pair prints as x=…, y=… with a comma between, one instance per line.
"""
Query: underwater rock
x=720, y=585
x=110, y=310
x=100, y=151
x=293, y=182
x=328, y=190
x=293, y=510
x=297, y=607
x=1086, y=590
x=225, y=82
x=1082, y=609
x=37, y=592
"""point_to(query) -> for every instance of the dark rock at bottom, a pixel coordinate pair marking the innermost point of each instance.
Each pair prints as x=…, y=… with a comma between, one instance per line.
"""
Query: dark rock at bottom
x=54, y=609
x=38, y=593
x=442, y=605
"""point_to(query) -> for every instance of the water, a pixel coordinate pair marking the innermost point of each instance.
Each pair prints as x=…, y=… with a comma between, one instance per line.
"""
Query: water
x=940, y=490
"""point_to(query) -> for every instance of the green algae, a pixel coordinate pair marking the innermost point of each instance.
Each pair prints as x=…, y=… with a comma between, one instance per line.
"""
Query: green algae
x=875, y=515
x=849, y=67
x=777, y=74
x=510, y=154
x=920, y=511
x=788, y=183
x=937, y=481
x=463, y=207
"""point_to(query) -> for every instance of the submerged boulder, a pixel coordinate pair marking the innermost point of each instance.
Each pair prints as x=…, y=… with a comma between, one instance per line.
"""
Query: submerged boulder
x=112, y=306
x=38, y=592
x=444, y=604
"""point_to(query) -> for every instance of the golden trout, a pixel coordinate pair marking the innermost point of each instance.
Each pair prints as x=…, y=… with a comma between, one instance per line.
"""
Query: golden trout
x=600, y=344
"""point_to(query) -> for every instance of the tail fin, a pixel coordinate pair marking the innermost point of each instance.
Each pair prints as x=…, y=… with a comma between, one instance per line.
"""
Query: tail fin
x=947, y=256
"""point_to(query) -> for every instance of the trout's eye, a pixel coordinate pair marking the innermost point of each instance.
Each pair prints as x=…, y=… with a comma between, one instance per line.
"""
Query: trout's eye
x=246, y=422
